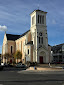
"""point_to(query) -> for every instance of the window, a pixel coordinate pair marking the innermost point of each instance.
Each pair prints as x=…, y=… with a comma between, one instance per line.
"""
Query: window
x=33, y=20
x=11, y=49
x=42, y=19
x=42, y=40
x=39, y=39
x=38, y=18
x=28, y=51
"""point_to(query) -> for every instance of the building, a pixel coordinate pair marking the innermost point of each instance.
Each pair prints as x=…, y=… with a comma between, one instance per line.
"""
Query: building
x=58, y=53
x=0, y=59
x=33, y=44
x=0, y=55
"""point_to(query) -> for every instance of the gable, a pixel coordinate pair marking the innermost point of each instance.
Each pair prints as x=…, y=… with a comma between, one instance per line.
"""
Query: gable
x=5, y=38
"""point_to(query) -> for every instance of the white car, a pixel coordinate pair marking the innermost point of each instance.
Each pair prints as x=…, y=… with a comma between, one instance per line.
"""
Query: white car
x=20, y=65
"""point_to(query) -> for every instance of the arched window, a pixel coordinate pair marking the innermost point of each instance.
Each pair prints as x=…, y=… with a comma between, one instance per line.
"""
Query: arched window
x=11, y=49
x=28, y=51
x=38, y=18
x=42, y=19
x=42, y=40
x=33, y=20
x=39, y=39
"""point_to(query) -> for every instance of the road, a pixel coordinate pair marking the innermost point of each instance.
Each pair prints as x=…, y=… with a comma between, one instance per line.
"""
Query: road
x=18, y=77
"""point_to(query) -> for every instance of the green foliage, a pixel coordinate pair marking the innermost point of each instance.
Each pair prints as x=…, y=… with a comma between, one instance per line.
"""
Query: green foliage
x=7, y=55
x=18, y=55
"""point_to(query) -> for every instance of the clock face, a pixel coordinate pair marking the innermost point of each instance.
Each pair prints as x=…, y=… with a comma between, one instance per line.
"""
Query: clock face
x=40, y=33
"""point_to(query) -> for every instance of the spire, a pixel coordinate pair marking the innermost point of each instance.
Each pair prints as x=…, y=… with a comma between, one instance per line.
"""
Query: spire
x=5, y=32
x=38, y=6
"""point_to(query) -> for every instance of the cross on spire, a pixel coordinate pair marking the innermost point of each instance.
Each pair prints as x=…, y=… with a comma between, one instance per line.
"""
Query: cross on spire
x=38, y=6
x=5, y=32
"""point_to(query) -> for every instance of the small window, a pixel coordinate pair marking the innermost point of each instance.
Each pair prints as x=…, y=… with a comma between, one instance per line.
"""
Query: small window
x=39, y=39
x=28, y=51
x=42, y=40
x=33, y=20
x=11, y=49
x=38, y=18
x=42, y=19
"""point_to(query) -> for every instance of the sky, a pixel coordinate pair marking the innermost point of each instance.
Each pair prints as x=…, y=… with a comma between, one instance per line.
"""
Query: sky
x=15, y=18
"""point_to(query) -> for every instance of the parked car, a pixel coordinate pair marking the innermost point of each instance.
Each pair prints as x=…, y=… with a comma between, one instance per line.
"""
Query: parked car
x=53, y=62
x=8, y=65
x=2, y=64
x=58, y=62
x=62, y=62
x=1, y=67
x=20, y=65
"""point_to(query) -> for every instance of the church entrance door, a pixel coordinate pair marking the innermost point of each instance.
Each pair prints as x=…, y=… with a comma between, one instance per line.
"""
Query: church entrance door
x=41, y=59
x=10, y=60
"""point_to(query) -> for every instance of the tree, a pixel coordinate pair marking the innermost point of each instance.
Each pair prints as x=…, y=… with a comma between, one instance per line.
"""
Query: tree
x=18, y=55
x=7, y=55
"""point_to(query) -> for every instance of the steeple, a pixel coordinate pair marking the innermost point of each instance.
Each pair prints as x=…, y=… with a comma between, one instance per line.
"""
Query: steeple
x=5, y=32
x=38, y=17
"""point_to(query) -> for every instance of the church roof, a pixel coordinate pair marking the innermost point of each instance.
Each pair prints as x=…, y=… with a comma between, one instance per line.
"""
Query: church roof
x=24, y=34
x=15, y=37
x=12, y=37
x=30, y=43
x=38, y=10
x=49, y=45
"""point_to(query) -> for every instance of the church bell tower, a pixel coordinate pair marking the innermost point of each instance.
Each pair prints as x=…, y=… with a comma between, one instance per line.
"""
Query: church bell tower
x=39, y=33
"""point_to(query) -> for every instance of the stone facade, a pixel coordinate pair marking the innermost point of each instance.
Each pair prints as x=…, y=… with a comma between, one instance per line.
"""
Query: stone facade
x=33, y=44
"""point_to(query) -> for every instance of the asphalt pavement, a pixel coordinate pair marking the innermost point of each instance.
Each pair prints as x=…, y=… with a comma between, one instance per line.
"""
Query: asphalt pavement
x=23, y=77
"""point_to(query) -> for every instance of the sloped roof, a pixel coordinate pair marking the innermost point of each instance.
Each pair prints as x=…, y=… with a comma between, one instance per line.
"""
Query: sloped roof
x=49, y=45
x=38, y=10
x=15, y=37
x=30, y=43
x=57, y=47
x=24, y=34
x=12, y=37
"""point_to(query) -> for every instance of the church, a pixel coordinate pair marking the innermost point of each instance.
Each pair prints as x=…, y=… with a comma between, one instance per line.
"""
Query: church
x=33, y=44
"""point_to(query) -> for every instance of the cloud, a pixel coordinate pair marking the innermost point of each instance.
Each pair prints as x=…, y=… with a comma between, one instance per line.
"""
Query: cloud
x=3, y=28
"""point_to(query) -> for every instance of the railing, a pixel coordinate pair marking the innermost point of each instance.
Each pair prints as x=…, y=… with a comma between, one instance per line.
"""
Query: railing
x=57, y=54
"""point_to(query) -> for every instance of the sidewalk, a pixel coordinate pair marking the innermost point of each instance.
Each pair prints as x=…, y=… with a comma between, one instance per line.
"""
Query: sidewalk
x=45, y=68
